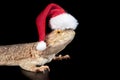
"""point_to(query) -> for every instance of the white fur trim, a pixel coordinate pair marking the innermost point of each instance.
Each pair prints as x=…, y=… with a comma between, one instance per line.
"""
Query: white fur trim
x=63, y=21
x=41, y=46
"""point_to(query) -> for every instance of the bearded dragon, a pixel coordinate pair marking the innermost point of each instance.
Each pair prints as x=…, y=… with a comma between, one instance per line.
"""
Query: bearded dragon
x=28, y=57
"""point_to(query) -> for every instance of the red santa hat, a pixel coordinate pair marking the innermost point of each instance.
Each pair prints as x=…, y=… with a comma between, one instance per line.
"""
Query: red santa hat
x=59, y=19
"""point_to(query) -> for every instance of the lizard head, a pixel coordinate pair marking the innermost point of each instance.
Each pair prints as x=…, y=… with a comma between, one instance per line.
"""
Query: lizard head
x=60, y=38
x=56, y=41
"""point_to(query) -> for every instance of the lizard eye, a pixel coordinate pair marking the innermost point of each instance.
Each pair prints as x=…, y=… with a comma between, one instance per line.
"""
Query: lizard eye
x=58, y=32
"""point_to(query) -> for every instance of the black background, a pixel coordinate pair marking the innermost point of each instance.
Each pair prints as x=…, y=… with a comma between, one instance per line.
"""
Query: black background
x=17, y=25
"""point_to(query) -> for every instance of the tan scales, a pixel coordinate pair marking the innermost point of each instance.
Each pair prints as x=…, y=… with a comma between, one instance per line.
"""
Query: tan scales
x=27, y=57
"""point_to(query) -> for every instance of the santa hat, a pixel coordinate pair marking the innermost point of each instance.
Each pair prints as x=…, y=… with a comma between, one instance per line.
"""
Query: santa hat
x=59, y=19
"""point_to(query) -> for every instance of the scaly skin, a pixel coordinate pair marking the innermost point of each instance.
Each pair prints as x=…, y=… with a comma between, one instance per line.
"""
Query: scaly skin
x=27, y=57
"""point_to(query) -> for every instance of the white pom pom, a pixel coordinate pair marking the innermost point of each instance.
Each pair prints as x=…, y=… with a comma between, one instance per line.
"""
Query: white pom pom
x=41, y=46
x=63, y=21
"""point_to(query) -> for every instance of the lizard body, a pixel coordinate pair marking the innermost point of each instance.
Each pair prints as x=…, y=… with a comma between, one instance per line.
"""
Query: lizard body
x=27, y=57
